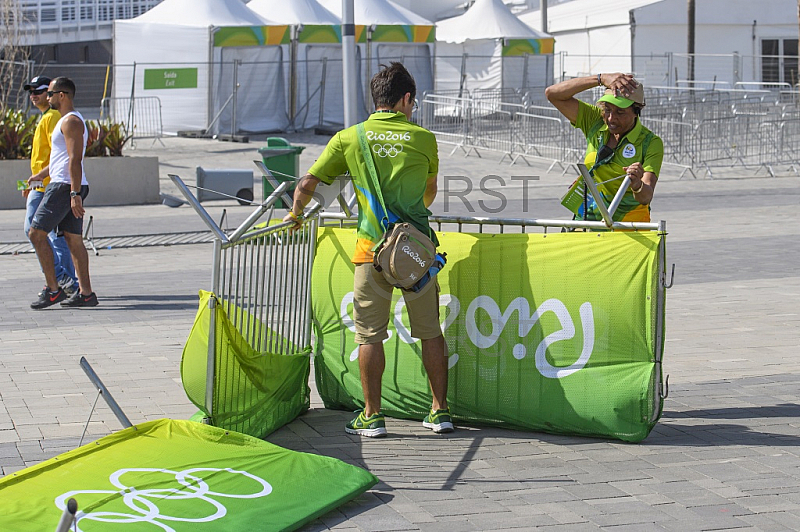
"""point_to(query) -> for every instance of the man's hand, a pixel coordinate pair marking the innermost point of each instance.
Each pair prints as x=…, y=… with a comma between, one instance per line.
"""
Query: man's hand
x=296, y=220
x=77, y=207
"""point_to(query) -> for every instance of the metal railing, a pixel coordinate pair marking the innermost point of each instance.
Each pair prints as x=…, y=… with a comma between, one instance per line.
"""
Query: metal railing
x=59, y=17
x=261, y=278
x=140, y=115
x=662, y=280
x=702, y=129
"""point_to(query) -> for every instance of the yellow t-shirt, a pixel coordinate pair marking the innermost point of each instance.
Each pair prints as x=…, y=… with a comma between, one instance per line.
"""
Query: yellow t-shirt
x=40, y=152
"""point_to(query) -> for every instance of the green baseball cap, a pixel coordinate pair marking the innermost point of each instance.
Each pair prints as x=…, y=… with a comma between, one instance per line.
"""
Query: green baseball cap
x=637, y=96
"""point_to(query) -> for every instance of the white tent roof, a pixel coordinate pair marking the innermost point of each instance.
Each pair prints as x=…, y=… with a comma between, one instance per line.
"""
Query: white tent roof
x=378, y=12
x=202, y=13
x=294, y=12
x=486, y=19
x=584, y=14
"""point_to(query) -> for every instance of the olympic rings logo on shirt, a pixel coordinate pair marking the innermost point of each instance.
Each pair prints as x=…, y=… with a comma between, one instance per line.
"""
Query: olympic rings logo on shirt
x=144, y=502
x=387, y=150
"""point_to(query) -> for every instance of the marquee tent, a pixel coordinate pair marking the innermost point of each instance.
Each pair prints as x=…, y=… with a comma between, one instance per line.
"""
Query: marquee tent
x=315, y=34
x=488, y=47
x=191, y=53
x=388, y=32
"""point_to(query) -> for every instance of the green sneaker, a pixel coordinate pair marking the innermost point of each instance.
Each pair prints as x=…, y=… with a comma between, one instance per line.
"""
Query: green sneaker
x=373, y=426
x=439, y=420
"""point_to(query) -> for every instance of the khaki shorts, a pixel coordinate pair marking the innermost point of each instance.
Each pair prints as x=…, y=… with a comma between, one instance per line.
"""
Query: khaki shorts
x=372, y=303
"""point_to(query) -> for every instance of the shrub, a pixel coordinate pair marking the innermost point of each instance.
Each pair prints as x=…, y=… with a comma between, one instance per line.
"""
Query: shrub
x=16, y=134
x=106, y=138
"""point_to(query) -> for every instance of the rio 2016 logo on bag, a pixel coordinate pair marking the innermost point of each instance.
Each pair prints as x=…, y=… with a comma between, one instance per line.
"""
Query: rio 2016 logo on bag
x=414, y=256
x=498, y=320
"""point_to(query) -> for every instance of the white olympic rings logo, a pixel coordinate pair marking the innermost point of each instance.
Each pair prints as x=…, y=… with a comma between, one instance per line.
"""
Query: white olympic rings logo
x=191, y=488
x=387, y=150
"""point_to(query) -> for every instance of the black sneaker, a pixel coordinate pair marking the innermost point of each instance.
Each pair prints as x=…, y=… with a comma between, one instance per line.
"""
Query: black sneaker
x=80, y=300
x=48, y=298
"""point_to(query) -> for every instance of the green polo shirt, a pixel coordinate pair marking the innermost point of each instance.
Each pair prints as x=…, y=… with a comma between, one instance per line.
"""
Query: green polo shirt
x=629, y=150
x=405, y=155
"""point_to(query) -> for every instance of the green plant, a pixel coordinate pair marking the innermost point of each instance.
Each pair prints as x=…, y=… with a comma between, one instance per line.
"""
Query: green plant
x=116, y=138
x=106, y=138
x=95, y=140
x=16, y=134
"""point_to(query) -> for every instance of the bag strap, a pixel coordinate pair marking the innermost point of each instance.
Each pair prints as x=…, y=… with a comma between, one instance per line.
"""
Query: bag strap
x=373, y=174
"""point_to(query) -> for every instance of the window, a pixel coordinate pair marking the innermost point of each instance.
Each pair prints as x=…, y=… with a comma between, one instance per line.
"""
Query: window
x=779, y=61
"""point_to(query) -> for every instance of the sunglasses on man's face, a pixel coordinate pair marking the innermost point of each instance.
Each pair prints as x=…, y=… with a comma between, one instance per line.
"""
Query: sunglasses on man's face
x=38, y=92
x=51, y=93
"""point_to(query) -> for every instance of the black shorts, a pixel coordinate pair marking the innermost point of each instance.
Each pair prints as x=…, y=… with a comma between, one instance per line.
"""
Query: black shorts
x=55, y=210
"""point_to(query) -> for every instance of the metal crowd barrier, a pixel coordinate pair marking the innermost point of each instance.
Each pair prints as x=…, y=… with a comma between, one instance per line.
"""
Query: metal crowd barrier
x=462, y=224
x=141, y=115
x=261, y=276
x=702, y=129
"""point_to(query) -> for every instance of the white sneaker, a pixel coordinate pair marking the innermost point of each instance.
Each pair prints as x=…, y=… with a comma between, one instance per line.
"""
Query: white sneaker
x=68, y=285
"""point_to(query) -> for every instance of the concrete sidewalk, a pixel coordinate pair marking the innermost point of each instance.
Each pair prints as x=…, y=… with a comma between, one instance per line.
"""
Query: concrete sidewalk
x=726, y=454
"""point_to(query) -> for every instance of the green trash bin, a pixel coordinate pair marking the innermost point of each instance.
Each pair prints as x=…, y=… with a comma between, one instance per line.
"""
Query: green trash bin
x=283, y=160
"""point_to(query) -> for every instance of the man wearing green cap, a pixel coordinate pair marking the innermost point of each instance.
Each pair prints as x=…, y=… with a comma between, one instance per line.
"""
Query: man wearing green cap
x=614, y=130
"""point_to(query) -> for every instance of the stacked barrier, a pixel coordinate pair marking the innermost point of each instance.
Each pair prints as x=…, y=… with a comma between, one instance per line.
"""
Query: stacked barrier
x=702, y=129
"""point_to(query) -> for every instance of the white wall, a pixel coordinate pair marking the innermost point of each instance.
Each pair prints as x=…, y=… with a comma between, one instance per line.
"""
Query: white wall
x=178, y=47
x=722, y=27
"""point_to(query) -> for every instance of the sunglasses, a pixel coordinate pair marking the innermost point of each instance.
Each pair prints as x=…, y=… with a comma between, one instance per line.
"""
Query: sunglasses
x=51, y=93
x=38, y=92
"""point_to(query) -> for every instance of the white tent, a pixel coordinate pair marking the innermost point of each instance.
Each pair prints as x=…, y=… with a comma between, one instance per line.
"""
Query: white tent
x=185, y=53
x=388, y=32
x=316, y=34
x=649, y=38
x=488, y=47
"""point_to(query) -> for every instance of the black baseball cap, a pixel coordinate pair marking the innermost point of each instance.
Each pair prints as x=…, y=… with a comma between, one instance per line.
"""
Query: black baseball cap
x=37, y=83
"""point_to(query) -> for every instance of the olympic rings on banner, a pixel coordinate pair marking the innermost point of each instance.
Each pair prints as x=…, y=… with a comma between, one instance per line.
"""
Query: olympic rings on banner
x=144, y=502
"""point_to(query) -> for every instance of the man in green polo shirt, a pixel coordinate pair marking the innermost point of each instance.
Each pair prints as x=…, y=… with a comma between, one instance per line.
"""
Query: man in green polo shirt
x=406, y=159
x=613, y=128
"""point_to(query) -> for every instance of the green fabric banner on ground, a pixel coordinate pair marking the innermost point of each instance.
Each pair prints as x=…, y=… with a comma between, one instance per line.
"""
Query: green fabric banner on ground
x=553, y=332
x=255, y=392
x=179, y=476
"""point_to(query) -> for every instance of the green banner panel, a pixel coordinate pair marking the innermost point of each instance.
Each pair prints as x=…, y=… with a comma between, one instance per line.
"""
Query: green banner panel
x=552, y=332
x=170, y=78
x=179, y=476
x=255, y=392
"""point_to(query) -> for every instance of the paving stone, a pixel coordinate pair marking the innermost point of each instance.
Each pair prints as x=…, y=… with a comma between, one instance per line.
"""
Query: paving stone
x=725, y=455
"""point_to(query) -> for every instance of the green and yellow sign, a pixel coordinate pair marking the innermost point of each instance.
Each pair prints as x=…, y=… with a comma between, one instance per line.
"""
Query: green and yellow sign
x=170, y=78
x=552, y=332
x=180, y=476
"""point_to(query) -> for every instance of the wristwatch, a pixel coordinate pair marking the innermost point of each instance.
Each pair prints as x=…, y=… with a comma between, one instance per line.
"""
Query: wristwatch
x=72, y=193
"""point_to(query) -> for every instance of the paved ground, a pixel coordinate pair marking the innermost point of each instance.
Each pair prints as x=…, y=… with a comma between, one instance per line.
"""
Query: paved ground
x=726, y=454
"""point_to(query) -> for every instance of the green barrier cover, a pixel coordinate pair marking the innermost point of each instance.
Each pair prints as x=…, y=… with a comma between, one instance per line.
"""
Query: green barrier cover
x=552, y=332
x=179, y=476
x=255, y=392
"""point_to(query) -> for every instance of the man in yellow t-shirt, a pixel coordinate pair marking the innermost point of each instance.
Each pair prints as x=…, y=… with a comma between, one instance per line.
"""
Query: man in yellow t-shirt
x=40, y=157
